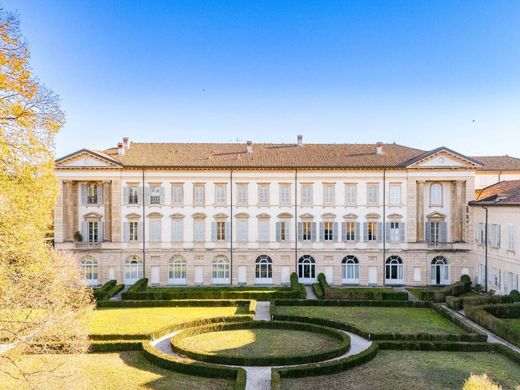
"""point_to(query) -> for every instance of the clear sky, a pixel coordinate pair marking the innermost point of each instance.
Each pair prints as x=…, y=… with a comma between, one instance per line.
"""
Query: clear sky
x=420, y=73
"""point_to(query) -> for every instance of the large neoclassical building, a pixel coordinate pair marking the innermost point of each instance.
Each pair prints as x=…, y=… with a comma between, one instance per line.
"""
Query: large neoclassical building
x=212, y=214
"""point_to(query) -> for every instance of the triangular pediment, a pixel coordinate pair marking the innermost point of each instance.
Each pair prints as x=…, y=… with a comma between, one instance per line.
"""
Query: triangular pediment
x=86, y=158
x=443, y=158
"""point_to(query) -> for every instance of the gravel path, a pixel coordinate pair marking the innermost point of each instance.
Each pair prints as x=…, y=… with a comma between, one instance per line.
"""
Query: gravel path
x=263, y=311
x=310, y=293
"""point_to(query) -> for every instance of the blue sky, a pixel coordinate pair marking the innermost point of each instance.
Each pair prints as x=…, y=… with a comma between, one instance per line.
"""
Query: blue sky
x=420, y=73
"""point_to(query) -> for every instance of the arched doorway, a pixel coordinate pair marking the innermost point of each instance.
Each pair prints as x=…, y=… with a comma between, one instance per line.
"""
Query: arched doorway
x=440, y=271
x=394, y=270
x=263, y=270
x=307, y=269
x=350, y=270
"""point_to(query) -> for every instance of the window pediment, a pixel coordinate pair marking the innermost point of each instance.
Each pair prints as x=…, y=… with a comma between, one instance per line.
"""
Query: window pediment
x=220, y=216
x=242, y=215
x=436, y=216
x=328, y=216
x=198, y=215
x=395, y=216
x=284, y=216
x=132, y=216
x=177, y=216
x=372, y=216
x=154, y=215
x=306, y=216
x=350, y=216
x=263, y=216
x=92, y=216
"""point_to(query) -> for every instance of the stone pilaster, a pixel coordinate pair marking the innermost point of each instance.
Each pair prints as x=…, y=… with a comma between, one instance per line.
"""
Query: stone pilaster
x=116, y=209
x=74, y=207
x=107, y=188
x=420, y=210
x=411, y=225
x=68, y=214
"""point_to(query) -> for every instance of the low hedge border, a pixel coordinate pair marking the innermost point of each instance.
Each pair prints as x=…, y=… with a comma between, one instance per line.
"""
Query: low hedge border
x=176, y=303
x=98, y=346
x=140, y=285
x=483, y=316
x=459, y=303
x=341, y=348
x=423, y=345
x=318, y=291
x=107, y=291
x=191, y=367
x=445, y=312
x=336, y=302
x=440, y=294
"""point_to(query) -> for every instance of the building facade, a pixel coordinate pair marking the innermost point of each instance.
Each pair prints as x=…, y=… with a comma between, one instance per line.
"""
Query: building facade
x=220, y=214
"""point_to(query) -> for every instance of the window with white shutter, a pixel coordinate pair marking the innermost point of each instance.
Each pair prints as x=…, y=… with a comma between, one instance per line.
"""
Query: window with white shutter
x=306, y=190
x=242, y=194
x=93, y=231
x=221, y=230
x=350, y=194
x=263, y=230
x=177, y=194
x=242, y=230
x=199, y=231
x=395, y=194
x=220, y=194
x=329, y=194
x=283, y=231
x=92, y=193
x=199, y=194
x=155, y=230
x=285, y=194
x=510, y=237
x=133, y=227
x=177, y=230
x=372, y=194
x=263, y=194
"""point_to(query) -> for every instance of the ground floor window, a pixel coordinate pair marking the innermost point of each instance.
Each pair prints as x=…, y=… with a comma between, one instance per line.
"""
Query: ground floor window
x=133, y=270
x=221, y=271
x=263, y=269
x=440, y=271
x=306, y=269
x=350, y=269
x=394, y=270
x=89, y=268
x=177, y=270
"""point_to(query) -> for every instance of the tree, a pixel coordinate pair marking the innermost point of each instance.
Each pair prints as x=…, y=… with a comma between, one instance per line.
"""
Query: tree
x=43, y=301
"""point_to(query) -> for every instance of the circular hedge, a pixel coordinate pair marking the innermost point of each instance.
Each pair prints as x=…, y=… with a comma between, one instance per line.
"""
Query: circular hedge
x=340, y=346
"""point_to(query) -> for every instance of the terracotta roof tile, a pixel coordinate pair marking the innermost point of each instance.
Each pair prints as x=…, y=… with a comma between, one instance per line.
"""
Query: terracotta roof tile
x=498, y=163
x=503, y=193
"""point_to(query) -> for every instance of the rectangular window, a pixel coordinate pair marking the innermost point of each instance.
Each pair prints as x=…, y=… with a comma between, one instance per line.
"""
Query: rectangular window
x=372, y=231
x=350, y=231
x=263, y=230
x=155, y=195
x=155, y=231
x=242, y=194
x=133, y=195
x=220, y=194
x=177, y=230
x=284, y=231
x=350, y=194
x=372, y=194
x=329, y=192
x=306, y=194
x=221, y=231
x=134, y=232
x=199, y=194
x=177, y=194
x=92, y=194
x=328, y=231
x=510, y=237
x=93, y=231
x=307, y=231
x=242, y=234
x=395, y=194
x=495, y=235
x=482, y=233
x=263, y=194
x=435, y=232
x=395, y=232
x=285, y=194
x=199, y=231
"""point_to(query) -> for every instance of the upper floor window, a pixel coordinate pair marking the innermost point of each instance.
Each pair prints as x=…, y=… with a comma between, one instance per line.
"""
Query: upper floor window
x=329, y=194
x=155, y=195
x=372, y=194
x=285, y=194
x=511, y=237
x=199, y=194
x=220, y=194
x=155, y=230
x=371, y=231
x=93, y=231
x=242, y=194
x=199, y=231
x=349, y=231
x=177, y=194
x=495, y=235
x=395, y=231
x=395, y=194
x=307, y=194
x=435, y=194
x=133, y=195
x=350, y=194
x=282, y=233
x=242, y=230
x=263, y=229
x=436, y=231
x=306, y=231
x=263, y=194
x=92, y=194
x=328, y=231
x=221, y=231
x=177, y=229
x=133, y=231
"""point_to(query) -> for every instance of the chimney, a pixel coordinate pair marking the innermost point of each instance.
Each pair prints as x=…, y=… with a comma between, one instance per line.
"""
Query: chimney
x=120, y=148
x=126, y=143
x=300, y=140
x=249, y=148
x=379, y=148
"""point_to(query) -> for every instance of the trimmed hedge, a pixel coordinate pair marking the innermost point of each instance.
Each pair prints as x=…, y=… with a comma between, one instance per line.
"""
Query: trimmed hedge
x=420, y=345
x=362, y=293
x=336, y=302
x=115, y=345
x=440, y=294
x=504, y=311
x=443, y=311
x=318, y=291
x=339, y=349
x=138, y=286
x=457, y=303
x=176, y=303
x=107, y=291
x=482, y=315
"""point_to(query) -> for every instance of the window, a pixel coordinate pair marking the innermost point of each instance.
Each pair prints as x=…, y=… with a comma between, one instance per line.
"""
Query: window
x=436, y=232
x=329, y=194
x=497, y=278
x=306, y=231
x=242, y=230
x=372, y=194
x=283, y=231
x=285, y=194
x=133, y=270
x=510, y=237
x=395, y=231
x=394, y=270
x=395, y=194
x=155, y=230
x=199, y=231
x=242, y=194
x=92, y=194
x=199, y=194
x=220, y=194
x=89, y=268
x=328, y=231
x=177, y=194
x=440, y=272
x=350, y=269
x=133, y=227
x=263, y=229
x=351, y=194
x=495, y=235
x=263, y=194
x=306, y=269
x=482, y=233
x=177, y=270
x=93, y=231
x=155, y=195
x=436, y=194
x=133, y=195
x=221, y=230
x=177, y=230
x=263, y=269
x=220, y=270
x=349, y=231
x=371, y=231
x=306, y=194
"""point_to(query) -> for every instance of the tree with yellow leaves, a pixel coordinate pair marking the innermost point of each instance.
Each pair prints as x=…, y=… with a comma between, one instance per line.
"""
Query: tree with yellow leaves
x=43, y=301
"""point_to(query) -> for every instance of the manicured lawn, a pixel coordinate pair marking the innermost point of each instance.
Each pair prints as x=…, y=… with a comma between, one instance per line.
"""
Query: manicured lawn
x=404, y=320
x=107, y=371
x=149, y=319
x=415, y=370
x=258, y=342
x=512, y=323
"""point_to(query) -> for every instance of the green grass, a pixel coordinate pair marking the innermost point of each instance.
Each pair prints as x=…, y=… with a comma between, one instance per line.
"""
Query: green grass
x=107, y=371
x=258, y=342
x=402, y=320
x=149, y=319
x=415, y=370
x=512, y=323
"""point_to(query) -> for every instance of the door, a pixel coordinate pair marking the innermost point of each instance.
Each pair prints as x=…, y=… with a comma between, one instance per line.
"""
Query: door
x=307, y=270
x=242, y=276
x=329, y=275
x=199, y=274
x=285, y=277
x=155, y=275
x=372, y=275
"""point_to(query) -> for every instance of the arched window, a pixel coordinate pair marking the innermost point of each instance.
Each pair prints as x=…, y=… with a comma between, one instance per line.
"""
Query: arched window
x=89, y=268
x=440, y=271
x=394, y=270
x=263, y=269
x=133, y=270
x=177, y=270
x=306, y=269
x=436, y=194
x=350, y=269
x=221, y=270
